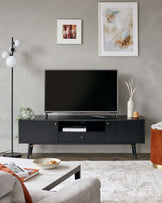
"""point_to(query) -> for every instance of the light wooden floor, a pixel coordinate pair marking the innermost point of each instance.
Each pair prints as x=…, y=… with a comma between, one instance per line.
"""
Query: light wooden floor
x=91, y=156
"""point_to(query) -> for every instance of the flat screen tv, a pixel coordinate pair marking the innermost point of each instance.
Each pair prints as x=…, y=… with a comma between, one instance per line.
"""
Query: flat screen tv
x=81, y=91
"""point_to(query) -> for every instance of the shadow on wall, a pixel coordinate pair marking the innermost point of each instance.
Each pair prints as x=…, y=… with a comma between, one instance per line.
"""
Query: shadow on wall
x=34, y=66
x=32, y=61
x=122, y=94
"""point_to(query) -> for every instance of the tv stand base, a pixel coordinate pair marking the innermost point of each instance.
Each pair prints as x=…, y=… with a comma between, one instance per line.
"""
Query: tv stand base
x=31, y=146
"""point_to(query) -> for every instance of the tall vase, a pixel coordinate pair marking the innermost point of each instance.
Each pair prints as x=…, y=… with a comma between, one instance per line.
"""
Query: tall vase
x=130, y=108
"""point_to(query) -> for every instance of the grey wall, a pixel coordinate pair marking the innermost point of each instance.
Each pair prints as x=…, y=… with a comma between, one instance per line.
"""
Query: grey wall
x=34, y=23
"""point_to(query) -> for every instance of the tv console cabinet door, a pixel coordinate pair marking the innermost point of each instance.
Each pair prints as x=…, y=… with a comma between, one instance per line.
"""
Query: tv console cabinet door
x=38, y=132
x=125, y=132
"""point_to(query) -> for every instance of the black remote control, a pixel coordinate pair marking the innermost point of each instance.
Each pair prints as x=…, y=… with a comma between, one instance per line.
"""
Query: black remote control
x=102, y=117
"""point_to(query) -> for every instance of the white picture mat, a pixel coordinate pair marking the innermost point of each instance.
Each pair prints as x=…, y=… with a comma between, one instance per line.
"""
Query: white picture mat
x=61, y=22
x=101, y=7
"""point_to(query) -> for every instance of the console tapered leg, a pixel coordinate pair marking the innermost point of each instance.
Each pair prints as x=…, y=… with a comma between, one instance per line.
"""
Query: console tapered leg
x=132, y=149
x=30, y=150
x=135, y=154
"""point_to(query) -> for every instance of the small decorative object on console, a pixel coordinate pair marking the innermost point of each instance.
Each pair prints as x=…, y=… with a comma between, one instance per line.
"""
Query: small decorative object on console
x=135, y=114
x=130, y=104
x=74, y=129
x=24, y=113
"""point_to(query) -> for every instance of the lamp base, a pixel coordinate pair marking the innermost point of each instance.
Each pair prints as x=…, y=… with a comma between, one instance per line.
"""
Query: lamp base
x=14, y=154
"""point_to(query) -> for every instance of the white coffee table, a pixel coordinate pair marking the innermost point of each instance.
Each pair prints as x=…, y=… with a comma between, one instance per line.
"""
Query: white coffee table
x=47, y=179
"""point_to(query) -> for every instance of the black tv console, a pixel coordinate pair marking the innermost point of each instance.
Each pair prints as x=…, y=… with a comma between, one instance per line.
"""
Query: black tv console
x=108, y=130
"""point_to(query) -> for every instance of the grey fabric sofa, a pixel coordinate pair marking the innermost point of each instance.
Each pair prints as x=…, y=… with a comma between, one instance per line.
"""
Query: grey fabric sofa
x=81, y=191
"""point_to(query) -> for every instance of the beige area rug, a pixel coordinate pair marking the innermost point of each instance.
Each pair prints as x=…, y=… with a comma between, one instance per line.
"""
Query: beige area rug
x=124, y=181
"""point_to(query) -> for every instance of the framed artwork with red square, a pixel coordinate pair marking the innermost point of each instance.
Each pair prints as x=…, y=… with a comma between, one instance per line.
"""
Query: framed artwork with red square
x=69, y=31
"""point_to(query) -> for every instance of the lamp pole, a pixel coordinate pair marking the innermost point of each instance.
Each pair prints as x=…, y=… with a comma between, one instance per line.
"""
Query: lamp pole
x=12, y=111
x=12, y=99
x=12, y=154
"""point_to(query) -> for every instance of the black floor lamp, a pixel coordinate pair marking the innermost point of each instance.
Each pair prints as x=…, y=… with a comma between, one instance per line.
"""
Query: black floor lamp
x=11, y=62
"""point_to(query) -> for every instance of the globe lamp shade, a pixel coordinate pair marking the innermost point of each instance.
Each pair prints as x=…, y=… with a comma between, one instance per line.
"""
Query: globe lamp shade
x=11, y=61
x=5, y=54
x=17, y=43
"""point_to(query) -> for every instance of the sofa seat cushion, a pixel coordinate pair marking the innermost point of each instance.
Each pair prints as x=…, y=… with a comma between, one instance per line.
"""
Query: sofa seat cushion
x=26, y=193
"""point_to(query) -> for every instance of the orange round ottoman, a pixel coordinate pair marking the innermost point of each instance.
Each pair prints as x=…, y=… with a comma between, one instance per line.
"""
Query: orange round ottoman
x=156, y=148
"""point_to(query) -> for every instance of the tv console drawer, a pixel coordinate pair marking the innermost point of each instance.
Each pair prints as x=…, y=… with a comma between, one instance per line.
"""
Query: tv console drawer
x=82, y=138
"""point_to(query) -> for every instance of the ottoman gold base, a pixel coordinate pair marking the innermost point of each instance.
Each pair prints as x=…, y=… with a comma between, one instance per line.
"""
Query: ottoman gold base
x=157, y=166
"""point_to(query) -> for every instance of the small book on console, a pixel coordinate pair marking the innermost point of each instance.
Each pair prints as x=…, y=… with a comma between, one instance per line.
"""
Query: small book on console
x=31, y=173
x=74, y=129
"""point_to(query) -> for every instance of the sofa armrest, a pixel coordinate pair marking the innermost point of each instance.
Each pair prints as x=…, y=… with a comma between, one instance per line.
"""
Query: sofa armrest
x=10, y=189
x=81, y=191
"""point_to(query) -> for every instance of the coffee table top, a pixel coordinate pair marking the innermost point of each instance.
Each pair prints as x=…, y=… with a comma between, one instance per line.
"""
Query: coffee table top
x=46, y=178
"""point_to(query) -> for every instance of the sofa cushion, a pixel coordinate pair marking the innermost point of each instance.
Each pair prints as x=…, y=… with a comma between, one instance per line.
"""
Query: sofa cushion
x=26, y=193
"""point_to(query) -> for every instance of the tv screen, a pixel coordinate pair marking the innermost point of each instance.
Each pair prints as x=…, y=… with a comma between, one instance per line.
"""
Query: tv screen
x=81, y=90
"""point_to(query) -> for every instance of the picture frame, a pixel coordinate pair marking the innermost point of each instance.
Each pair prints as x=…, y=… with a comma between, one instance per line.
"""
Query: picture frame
x=69, y=31
x=118, y=28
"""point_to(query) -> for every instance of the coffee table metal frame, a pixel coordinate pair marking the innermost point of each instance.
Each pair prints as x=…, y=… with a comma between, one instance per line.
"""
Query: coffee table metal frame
x=76, y=172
